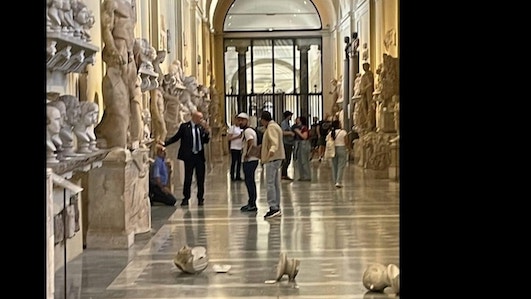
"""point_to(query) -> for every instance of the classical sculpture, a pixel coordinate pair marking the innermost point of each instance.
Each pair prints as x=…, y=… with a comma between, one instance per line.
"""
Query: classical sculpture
x=172, y=87
x=335, y=95
x=145, y=54
x=288, y=267
x=215, y=117
x=121, y=84
x=191, y=260
x=377, y=277
x=158, y=125
x=83, y=20
x=53, y=127
x=366, y=89
x=56, y=138
x=67, y=130
x=84, y=128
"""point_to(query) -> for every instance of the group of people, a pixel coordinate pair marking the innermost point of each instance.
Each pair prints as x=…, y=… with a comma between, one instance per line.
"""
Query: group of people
x=278, y=143
x=242, y=139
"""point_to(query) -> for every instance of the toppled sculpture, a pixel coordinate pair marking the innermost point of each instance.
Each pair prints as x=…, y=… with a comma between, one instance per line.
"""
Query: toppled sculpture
x=191, y=260
x=377, y=277
x=287, y=266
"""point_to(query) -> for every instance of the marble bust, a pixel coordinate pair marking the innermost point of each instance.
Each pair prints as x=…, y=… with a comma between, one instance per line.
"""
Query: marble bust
x=84, y=128
x=71, y=117
x=53, y=127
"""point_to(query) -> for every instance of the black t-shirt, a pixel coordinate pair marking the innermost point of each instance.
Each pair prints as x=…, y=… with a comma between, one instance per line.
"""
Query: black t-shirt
x=324, y=127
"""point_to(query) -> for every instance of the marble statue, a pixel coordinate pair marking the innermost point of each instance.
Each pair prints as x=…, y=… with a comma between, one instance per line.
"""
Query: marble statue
x=191, y=260
x=83, y=20
x=335, y=95
x=366, y=89
x=54, y=15
x=158, y=125
x=172, y=87
x=288, y=267
x=190, y=96
x=121, y=124
x=57, y=137
x=71, y=117
x=67, y=20
x=145, y=54
x=159, y=58
x=215, y=117
x=204, y=101
x=146, y=118
x=84, y=128
x=53, y=127
x=378, y=277
x=365, y=53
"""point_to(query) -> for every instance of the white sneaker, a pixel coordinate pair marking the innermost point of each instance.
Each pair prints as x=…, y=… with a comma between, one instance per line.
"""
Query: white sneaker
x=338, y=185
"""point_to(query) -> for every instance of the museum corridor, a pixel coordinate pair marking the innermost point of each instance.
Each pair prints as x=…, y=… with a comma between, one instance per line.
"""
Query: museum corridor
x=335, y=233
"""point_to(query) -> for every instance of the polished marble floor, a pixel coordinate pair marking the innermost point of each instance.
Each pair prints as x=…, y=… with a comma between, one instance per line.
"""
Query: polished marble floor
x=335, y=233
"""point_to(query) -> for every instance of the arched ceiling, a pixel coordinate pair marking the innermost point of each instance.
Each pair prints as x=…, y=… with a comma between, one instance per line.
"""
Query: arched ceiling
x=218, y=10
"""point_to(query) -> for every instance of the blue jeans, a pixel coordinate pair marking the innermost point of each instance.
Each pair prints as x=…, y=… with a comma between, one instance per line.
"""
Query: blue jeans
x=339, y=161
x=249, y=169
x=304, y=149
x=273, y=184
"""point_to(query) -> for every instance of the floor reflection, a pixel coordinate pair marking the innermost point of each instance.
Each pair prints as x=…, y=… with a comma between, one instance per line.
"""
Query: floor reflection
x=335, y=233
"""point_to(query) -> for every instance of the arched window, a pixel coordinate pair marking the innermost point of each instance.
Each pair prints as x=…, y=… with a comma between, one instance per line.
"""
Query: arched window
x=272, y=15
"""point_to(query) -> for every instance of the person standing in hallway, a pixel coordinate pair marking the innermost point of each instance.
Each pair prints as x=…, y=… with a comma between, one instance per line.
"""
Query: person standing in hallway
x=304, y=149
x=288, y=139
x=158, y=179
x=339, y=161
x=249, y=163
x=193, y=134
x=322, y=130
x=272, y=155
x=235, y=139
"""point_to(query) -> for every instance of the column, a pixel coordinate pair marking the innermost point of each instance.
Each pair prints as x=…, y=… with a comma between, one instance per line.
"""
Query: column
x=242, y=79
x=304, y=88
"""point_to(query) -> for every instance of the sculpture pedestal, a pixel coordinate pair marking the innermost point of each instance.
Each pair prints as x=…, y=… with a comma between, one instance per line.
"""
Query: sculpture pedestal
x=118, y=200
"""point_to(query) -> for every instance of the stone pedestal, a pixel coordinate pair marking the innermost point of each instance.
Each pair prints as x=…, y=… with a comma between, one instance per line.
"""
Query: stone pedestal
x=50, y=269
x=118, y=201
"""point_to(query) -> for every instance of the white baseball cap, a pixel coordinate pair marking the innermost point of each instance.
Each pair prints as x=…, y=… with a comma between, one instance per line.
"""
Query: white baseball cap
x=243, y=115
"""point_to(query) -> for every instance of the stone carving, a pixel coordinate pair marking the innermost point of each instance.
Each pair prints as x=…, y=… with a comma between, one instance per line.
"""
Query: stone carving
x=386, y=94
x=158, y=125
x=366, y=89
x=365, y=53
x=84, y=127
x=83, y=20
x=159, y=58
x=145, y=54
x=69, y=17
x=215, y=117
x=56, y=139
x=203, y=98
x=376, y=150
x=287, y=266
x=191, y=260
x=173, y=87
x=377, y=277
x=67, y=130
x=146, y=118
x=335, y=95
x=53, y=127
x=121, y=85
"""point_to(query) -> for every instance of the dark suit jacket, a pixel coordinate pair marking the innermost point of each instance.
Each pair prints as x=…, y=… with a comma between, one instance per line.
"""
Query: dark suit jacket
x=185, y=135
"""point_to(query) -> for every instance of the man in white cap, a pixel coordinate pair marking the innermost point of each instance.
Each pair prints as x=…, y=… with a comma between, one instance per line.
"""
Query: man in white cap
x=249, y=162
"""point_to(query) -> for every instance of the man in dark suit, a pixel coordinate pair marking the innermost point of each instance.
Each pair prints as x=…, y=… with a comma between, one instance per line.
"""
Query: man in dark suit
x=193, y=135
